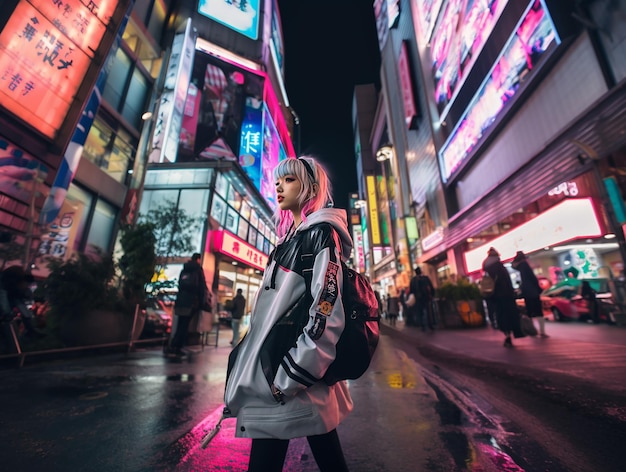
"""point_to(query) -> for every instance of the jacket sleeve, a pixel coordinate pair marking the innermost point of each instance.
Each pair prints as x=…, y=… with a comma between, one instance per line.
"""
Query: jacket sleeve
x=307, y=362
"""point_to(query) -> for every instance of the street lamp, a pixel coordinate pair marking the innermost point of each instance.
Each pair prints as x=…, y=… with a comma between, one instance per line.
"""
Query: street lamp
x=384, y=153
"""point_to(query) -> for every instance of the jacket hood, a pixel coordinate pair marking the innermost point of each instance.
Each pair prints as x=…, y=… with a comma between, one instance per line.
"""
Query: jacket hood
x=337, y=217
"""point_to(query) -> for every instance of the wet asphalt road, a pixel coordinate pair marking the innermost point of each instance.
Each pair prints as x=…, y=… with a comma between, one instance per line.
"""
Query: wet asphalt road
x=141, y=412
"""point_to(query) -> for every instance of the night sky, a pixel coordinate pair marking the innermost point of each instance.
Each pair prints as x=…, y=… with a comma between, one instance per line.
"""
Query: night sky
x=330, y=45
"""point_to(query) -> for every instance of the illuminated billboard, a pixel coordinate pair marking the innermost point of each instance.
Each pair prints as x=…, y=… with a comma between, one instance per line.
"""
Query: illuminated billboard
x=261, y=148
x=273, y=152
x=569, y=220
x=459, y=38
x=239, y=15
x=532, y=37
x=168, y=128
x=45, y=53
x=251, y=147
x=427, y=13
x=215, y=107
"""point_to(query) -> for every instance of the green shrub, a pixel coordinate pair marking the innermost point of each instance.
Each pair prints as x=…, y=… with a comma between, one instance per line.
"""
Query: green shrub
x=463, y=289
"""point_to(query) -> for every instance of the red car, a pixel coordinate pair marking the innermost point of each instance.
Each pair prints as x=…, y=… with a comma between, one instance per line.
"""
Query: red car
x=564, y=302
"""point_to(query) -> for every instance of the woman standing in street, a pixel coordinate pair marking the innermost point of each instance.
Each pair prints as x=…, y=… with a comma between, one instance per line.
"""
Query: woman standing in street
x=274, y=384
x=503, y=296
x=531, y=291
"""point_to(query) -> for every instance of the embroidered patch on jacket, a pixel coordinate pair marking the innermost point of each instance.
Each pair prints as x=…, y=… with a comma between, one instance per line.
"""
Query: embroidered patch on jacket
x=318, y=327
x=329, y=293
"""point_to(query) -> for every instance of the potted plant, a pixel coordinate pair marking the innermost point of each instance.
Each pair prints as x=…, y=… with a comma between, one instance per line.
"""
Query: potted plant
x=460, y=304
x=94, y=300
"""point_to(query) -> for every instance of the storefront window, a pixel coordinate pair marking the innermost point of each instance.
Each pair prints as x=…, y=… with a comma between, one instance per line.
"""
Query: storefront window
x=221, y=185
x=254, y=221
x=234, y=198
x=153, y=199
x=116, y=81
x=102, y=225
x=245, y=210
x=218, y=212
x=195, y=202
x=136, y=98
x=232, y=220
x=260, y=242
x=111, y=152
x=121, y=156
x=243, y=229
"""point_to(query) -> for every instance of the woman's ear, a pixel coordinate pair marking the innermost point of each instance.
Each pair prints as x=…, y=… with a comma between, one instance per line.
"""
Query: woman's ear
x=316, y=188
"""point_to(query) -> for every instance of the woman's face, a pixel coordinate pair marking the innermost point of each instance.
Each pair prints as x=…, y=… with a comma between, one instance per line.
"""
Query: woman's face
x=287, y=190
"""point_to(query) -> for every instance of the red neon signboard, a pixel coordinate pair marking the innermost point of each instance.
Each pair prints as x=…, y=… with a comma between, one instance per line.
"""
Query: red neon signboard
x=46, y=49
x=229, y=244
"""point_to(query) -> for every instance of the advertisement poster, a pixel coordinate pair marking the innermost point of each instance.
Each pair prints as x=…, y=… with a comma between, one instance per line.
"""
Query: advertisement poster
x=20, y=173
x=58, y=240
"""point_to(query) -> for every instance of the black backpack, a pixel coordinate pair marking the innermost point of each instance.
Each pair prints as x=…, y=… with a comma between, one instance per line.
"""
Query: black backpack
x=359, y=339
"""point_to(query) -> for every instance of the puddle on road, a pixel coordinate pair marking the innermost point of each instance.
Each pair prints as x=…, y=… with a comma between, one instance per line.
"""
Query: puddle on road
x=470, y=453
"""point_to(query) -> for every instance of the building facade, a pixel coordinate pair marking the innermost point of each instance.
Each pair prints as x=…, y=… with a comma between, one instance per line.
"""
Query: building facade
x=520, y=135
x=76, y=82
x=220, y=124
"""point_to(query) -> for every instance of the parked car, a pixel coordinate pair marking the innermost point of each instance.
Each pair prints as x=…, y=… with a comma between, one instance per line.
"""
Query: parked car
x=158, y=319
x=563, y=301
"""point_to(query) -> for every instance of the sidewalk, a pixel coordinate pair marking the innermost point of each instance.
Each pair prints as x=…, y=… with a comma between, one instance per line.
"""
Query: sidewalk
x=590, y=353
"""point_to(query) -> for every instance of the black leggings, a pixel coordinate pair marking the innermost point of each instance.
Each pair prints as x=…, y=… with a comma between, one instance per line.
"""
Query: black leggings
x=268, y=455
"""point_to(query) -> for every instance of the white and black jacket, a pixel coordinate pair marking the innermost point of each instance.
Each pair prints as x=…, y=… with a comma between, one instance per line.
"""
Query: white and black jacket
x=268, y=353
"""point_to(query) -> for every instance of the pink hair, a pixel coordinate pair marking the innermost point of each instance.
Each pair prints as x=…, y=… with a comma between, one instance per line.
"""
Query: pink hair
x=308, y=201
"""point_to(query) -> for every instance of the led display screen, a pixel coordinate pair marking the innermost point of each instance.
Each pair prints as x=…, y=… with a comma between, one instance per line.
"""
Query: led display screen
x=261, y=148
x=239, y=15
x=428, y=11
x=46, y=49
x=533, y=35
x=273, y=152
x=457, y=41
x=251, y=147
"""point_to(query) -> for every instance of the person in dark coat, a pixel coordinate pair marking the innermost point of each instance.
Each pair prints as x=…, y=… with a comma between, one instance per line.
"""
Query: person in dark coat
x=239, y=308
x=192, y=294
x=531, y=291
x=503, y=297
x=393, y=307
x=589, y=295
x=423, y=290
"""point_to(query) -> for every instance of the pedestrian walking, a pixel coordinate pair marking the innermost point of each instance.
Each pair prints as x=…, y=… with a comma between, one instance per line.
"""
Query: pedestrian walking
x=239, y=308
x=393, y=306
x=422, y=289
x=274, y=386
x=531, y=291
x=402, y=296
x=503, y=297
x=589, y=295
x=191, y=298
